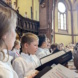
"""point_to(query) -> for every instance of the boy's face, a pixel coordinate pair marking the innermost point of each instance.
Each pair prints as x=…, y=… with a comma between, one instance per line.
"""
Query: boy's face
x=32, y=47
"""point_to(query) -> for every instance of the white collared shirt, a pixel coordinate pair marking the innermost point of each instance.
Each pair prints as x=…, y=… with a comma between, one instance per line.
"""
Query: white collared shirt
x=7, y=58
x=47, y=51
x=28, y=59
x=41, y=53
x=24, y=65
x=16, y=52
x=5, y=67
x=35, y=60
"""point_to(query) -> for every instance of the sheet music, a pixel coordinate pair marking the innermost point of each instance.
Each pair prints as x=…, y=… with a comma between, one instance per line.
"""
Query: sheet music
x=51, y=57
x=60, y=71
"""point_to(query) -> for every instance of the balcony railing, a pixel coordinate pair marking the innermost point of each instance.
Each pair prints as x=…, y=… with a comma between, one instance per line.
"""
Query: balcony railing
x=24, y=24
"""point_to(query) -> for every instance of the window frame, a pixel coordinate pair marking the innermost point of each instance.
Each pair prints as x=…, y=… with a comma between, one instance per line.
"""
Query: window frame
x=63, y=30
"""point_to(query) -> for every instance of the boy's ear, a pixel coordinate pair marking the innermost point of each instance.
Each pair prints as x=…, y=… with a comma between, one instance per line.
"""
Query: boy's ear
x=26, y=45
x=44, y=43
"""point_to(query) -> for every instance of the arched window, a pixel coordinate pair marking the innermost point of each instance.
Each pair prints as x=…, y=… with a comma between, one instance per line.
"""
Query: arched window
x=61, y=16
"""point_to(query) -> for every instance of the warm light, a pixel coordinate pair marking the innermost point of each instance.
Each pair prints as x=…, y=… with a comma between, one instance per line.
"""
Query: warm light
x=61, y=7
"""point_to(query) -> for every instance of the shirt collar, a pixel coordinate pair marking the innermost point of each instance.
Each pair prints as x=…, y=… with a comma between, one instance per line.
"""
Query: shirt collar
x=25, y=55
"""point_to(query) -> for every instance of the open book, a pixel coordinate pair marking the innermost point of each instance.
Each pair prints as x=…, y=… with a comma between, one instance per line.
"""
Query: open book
x=57, y=58
x=51, y=57
x=59, y=71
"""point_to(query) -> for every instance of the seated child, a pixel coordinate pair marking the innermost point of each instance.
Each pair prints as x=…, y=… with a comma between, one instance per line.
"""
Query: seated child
x=25, y=65
x=16, y=47
x=42, y=52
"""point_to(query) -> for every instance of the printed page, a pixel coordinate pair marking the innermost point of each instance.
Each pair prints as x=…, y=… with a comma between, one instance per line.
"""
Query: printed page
x=51, y=57
x=60, y=71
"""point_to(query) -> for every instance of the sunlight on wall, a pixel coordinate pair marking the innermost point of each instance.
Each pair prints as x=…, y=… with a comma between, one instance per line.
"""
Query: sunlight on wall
x=36, y=10
x=63, y=39
x=26, y=5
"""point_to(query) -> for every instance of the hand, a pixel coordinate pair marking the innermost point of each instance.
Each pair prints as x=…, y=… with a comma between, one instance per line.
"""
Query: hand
x=35, y=73
x=29, y=76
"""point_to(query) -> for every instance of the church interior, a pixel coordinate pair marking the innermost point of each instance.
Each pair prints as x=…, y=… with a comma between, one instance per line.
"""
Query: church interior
x=46, y=16
x=57, y=20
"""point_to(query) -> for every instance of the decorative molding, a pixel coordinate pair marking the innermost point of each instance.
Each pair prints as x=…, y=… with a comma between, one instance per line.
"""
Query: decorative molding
x=43, y=5
x=63, y=34
x=66, y=34
x=75, y=34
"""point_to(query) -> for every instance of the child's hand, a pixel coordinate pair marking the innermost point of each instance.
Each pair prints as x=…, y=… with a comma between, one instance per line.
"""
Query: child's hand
x=36, y=72
x=33, y=74
x=29, y=77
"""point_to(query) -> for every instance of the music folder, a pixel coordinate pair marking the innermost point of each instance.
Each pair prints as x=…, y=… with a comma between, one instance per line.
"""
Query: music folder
x=57, y=58
x=42, y=72
x=59, y=71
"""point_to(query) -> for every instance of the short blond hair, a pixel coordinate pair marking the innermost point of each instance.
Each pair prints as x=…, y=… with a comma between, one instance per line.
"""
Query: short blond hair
x=16, y=43
x=28, y=38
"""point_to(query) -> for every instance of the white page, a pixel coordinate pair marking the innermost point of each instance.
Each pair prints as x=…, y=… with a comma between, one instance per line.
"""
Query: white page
x=59, y=71
x=51, y=57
